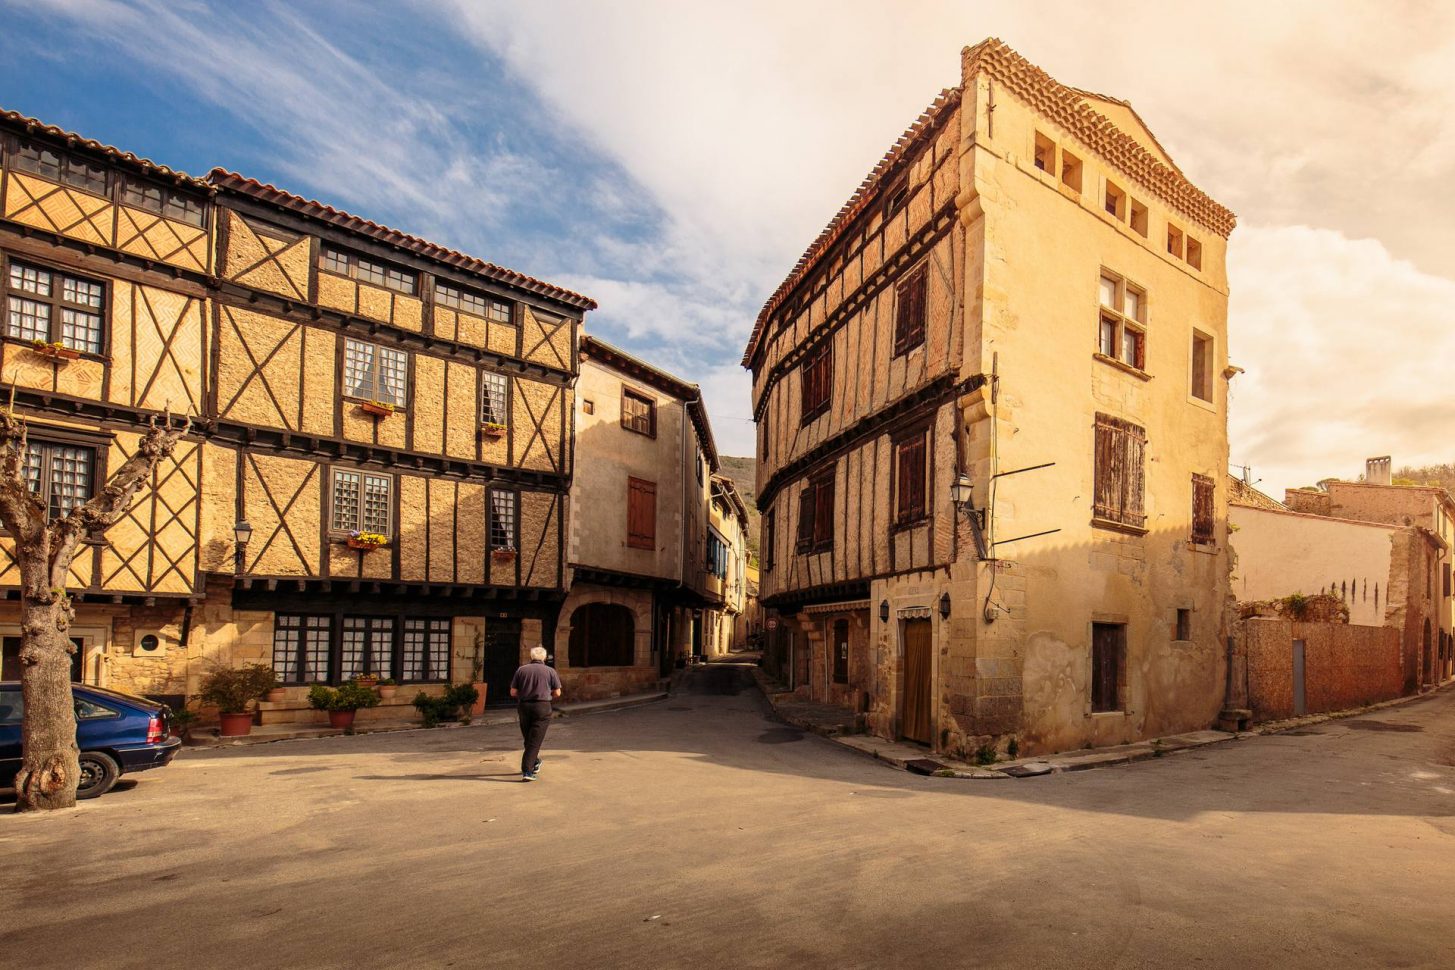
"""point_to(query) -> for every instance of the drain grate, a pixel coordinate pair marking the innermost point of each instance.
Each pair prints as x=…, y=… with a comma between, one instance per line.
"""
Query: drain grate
x=924, y=766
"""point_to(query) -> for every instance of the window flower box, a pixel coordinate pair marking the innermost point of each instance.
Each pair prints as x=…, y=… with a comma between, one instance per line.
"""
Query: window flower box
x=492, y=430
x=367, y=540
x=378, y=409
x=55, y=351
x=502, y=555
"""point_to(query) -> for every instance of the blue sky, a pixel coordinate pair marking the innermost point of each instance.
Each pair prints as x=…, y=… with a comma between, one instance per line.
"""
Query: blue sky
x=672, y=159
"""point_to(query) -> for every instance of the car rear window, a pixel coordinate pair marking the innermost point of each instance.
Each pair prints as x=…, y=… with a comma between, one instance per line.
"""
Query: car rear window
x=122, y=696
x=87, y=708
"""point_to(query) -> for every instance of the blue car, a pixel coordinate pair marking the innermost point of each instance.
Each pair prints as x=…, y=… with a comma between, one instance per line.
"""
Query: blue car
x=117, y=734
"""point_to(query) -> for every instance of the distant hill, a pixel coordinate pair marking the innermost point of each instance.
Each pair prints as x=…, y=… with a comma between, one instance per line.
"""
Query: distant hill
x=1443, y=475
x=744, y=475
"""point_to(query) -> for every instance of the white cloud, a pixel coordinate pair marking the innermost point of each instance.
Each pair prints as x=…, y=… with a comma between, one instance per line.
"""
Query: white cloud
x=1348, y=353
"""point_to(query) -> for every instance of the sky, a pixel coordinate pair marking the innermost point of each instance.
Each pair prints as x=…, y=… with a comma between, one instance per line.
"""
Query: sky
x=673, y=159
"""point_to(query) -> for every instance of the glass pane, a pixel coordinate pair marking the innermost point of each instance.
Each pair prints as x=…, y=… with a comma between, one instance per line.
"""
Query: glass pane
x=1109, y=293
x=359, y=379
x=316, y=635
x=336, y=262
x=28, y=319
x=286, y=630
x=90, y=709
x=346, y=500
x=81, y=292
x=70, y=477
x=393, y=375
x=1134, y=304
x=376, y=504
x=81, y=330
x=499, y=312
x=33, y=464
x=1108, y=337
x=1131, y=347
x=30, y=279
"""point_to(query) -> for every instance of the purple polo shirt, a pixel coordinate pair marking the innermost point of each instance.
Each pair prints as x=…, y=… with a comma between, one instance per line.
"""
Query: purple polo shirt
x=534, y=682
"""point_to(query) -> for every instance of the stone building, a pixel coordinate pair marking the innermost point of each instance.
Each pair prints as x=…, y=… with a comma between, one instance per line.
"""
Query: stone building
x=651, y=549
x=381, y=454
x=991, y=406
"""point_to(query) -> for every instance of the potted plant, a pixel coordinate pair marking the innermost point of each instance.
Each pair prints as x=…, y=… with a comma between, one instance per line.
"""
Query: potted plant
x=341, y=703
x=182, y=721
x=492, y=429
x=232, y=690
x=455, y=703
x=367, y=540
x=387, y=688
x=367, y=680
x=55, y=350
x=503, y=554
x=275, y=693
x=379, y=409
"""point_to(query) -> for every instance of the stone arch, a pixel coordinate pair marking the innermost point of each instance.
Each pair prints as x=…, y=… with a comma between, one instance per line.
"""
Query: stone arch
x=603, y=635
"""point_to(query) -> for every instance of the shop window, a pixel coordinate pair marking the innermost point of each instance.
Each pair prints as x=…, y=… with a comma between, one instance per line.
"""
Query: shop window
x=301, y=646
x=367, y=647
x=426, y=655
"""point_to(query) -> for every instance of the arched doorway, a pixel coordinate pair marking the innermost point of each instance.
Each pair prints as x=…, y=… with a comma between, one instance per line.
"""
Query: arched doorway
x=603, y=635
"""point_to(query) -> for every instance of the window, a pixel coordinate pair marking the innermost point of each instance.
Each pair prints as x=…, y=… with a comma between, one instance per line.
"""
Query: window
x=841, y=651
x=1108, y=649
x=588, y=406
x=60, y=475
x=1194, y=253
x=641, y=514
x=1445, y=571
x=1174, y=240
x=367, y=647
x=638, y=413
x=1202, y=509
x=1184, y=624
x=910, y=481
x=362, y=502
x=1119, y=474
x=896, y=199
x=1202, y=366
x=603, y=635
x=909, y=311
x=470, y=302
x=89, y=710
x=375, y=373
x=770, y=539
x=1122, y=326
x=816, y=513
x=1045, y=154
x=1070, y=171
x=426, y=649
x=366, y=270
x=1115, y=202
x=162, y=200
x=52, y=307
x=502, y=519
x=717, y=554
x=817, y=379
x=1138, y=218
x=63, y=167
x=494, y=398
x=301, y=648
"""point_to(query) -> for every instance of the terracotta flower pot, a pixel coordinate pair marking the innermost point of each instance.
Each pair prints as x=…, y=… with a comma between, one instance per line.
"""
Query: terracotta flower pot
x=377, y=410
x=276, y=695
x=341, y=720
x=236, y=725
x=479, y=706
x=387, y=691
x=364, y=545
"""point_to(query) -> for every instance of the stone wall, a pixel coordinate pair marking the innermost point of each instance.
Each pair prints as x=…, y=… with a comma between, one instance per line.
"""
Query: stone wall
x=1344, y=666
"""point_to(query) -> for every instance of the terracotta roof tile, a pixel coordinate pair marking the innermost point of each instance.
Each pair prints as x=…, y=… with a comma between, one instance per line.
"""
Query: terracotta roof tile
x=35, y=126
x=241, y=184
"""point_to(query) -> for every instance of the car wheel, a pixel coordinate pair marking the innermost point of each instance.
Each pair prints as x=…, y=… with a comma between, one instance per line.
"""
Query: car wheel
x=99, y=772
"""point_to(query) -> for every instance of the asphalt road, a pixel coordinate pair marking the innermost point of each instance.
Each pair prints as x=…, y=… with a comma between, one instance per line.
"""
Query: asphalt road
x=697, y=832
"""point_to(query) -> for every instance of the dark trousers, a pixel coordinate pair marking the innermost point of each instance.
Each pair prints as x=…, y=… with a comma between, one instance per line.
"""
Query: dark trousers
x=535, y=717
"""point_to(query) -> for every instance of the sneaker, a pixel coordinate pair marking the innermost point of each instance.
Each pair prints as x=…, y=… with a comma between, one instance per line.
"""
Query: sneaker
x=537, y=766
x=528, y=777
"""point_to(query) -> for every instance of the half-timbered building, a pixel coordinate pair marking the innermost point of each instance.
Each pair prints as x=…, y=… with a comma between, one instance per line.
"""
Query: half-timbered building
x=991, y=411
x=382, y=452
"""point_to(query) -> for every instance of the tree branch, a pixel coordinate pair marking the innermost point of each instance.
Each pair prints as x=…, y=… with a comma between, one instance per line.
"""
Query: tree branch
x=21, y=512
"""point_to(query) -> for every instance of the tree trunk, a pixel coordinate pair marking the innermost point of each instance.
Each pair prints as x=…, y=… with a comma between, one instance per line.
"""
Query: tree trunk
x=50, y=767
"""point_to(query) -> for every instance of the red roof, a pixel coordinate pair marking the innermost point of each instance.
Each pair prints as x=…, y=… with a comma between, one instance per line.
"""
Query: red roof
x=35, y=126
x=241, y=184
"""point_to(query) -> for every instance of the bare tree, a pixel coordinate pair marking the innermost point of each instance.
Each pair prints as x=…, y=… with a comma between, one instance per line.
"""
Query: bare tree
x=44, y=546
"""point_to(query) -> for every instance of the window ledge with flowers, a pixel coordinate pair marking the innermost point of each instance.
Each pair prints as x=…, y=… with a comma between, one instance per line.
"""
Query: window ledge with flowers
x=367, y=540
x=55, y=350
x=503, y=554
x=493, y=429
x=377, y=409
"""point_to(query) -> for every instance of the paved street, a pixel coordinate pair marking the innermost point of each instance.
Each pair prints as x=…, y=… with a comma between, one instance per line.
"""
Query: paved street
x=698, y=833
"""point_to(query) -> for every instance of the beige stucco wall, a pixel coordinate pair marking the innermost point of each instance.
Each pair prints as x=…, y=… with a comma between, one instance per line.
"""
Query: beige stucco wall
x=1281, y=553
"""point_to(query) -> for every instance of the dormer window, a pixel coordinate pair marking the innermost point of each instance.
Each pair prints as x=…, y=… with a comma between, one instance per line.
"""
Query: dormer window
x=162, y=200
x=366, y=270
x=898, y=196
x=468, y=301
x=59, y=166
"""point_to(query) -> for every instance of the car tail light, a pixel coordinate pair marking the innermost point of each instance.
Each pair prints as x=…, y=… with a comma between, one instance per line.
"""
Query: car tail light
x=154, y=729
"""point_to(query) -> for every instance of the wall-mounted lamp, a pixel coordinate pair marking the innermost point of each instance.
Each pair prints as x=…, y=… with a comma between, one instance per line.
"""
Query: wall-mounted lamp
x=962, y=496
x=944, y=606
x=242, y=533
x=884, y=611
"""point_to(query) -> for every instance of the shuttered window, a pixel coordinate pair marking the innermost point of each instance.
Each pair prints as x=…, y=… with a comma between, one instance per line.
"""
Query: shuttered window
x=1120, y=478
x=770, y=538
x=910, y=481
x=816, y=513
x=638, y=413
x=909, y=313
x=1202, y=509
x=641, y=514
x=817, y=380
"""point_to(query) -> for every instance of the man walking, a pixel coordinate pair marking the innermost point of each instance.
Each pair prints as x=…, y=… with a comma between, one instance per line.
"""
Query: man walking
x=533, y=686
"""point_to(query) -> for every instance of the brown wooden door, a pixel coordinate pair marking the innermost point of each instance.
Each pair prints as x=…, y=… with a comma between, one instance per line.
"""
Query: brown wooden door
x=915, y=717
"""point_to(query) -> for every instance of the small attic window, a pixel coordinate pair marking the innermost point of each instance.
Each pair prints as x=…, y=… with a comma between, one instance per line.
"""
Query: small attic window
x=1174, y=240
x=1070, y=171
x=1115, y=202
x=896, y=199
x=1194, y=253
x=1045, y=156
x=1139, y=217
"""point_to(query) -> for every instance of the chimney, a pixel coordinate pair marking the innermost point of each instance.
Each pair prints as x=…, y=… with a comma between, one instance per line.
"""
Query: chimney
x=1376, y=471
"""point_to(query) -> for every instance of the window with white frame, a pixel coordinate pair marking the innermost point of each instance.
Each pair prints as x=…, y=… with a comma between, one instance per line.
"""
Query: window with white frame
x=1122, y=326
x=362, y=502
x=494, y=398
x=53, y=307
x=375, y=373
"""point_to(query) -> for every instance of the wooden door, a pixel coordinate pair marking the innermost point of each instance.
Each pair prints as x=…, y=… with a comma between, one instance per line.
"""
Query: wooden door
x=915, y=714
x=502, y=657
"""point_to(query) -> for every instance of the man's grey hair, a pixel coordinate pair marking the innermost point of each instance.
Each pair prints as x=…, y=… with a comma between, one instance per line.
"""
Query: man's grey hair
x=538, y=653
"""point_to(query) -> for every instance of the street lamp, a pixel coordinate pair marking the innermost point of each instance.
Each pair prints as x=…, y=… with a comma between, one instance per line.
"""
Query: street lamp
x=242, y=532
x=962, y=496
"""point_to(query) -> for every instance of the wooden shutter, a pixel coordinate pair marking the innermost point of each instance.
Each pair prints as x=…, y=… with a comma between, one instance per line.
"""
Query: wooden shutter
x=641, y=514
x=823, y=525
x=909, y=320
x=1119, y=487
x=805, y=517
x=910, y=482
x=1202, y=508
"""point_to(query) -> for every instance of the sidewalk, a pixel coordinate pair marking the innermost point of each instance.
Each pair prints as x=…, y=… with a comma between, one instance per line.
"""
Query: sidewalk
x=267, y=734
